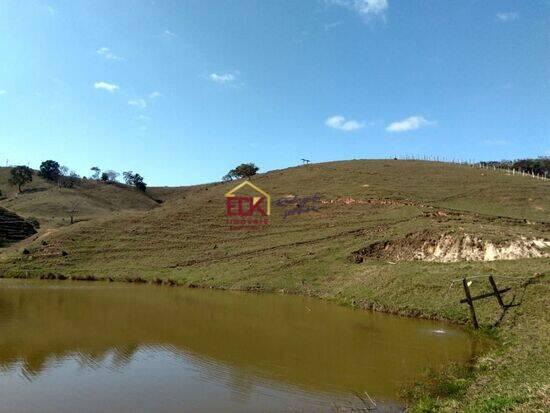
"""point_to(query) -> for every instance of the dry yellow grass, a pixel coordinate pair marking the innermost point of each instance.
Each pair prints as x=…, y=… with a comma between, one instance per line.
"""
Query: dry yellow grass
x=51, y=204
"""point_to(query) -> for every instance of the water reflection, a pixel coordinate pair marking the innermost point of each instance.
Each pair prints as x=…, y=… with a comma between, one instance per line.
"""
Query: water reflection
x=164, y=348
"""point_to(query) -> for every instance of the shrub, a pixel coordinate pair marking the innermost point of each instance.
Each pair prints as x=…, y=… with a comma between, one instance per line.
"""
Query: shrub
x=34, y=222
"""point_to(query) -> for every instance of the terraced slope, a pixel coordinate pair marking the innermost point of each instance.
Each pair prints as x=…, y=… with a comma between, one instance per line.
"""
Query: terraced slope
x=13, y=228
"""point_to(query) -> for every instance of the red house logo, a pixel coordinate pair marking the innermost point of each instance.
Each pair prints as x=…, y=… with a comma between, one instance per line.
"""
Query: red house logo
x=245, y=211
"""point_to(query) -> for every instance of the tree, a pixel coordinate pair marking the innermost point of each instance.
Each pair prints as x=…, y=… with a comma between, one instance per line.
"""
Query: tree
x=109, y=176
x=230, y=176
x=20, y=175
x=139, y=183
x=49, y=170
x=128, y=177
x=244, y=170
x=96, y=174
x=67, y=178
x=135, y=180
x=537, y=166
x=73, y=210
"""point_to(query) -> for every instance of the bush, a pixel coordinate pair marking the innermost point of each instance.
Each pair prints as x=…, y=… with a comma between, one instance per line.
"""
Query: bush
x=34, y=222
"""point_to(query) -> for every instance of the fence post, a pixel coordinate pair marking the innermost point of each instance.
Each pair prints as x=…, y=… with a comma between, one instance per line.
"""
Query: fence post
x=495, y=289
x=470, y=303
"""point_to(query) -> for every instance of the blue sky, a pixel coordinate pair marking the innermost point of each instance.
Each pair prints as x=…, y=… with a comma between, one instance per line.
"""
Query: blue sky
x=182, y=91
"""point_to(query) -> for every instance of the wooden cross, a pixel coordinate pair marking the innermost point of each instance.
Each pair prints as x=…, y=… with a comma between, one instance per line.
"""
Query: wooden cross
x=496, y=292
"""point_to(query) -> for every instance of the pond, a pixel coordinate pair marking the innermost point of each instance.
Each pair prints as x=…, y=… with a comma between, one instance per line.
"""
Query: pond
x=69, y=346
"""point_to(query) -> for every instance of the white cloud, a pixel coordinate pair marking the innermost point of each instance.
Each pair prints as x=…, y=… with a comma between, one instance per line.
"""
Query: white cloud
x=169, y=34
x=108, y=54
x=154, y=95
x=223, y=78
x=365, y=8
x=507, y=16
x=340, y=123
x=411, y=123
x=3, y=92
x=140, y=103
x=109, y=87
x=51, y=10
x=371, y=7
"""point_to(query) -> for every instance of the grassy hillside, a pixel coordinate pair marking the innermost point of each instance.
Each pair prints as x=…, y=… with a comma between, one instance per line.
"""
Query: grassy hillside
x=363, y=205
x=50, y=205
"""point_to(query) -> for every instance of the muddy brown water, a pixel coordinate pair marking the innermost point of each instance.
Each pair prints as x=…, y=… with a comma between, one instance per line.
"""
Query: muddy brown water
x=98, y=347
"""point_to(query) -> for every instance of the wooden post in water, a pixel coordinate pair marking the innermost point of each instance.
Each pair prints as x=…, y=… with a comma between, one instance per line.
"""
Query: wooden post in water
x=470, y=303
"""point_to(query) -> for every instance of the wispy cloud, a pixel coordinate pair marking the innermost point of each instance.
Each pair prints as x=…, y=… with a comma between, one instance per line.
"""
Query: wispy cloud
x=169, y=34
x=333, y=25
x=408, y=124
x=3, y=92
x=507, y=16
x=223, y=78
x=108, y=54
x=343, y=124
x=365, y=8
x=140, y=103
x=109, y=87
x=154, y=95
x=51, y=10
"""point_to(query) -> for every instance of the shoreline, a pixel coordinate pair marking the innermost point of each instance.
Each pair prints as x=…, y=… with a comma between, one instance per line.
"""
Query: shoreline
x=408, y=395
x=167, y=282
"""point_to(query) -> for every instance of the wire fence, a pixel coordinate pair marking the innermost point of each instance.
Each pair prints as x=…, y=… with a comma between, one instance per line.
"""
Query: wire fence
x=490, y=166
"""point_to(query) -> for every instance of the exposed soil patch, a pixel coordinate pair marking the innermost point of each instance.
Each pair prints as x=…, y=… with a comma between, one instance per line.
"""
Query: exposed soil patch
x=384, y=201
x=450, y=247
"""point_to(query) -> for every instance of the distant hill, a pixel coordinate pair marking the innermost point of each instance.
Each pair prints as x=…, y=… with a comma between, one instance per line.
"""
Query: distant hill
x=51, y=205
x=362, y=203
